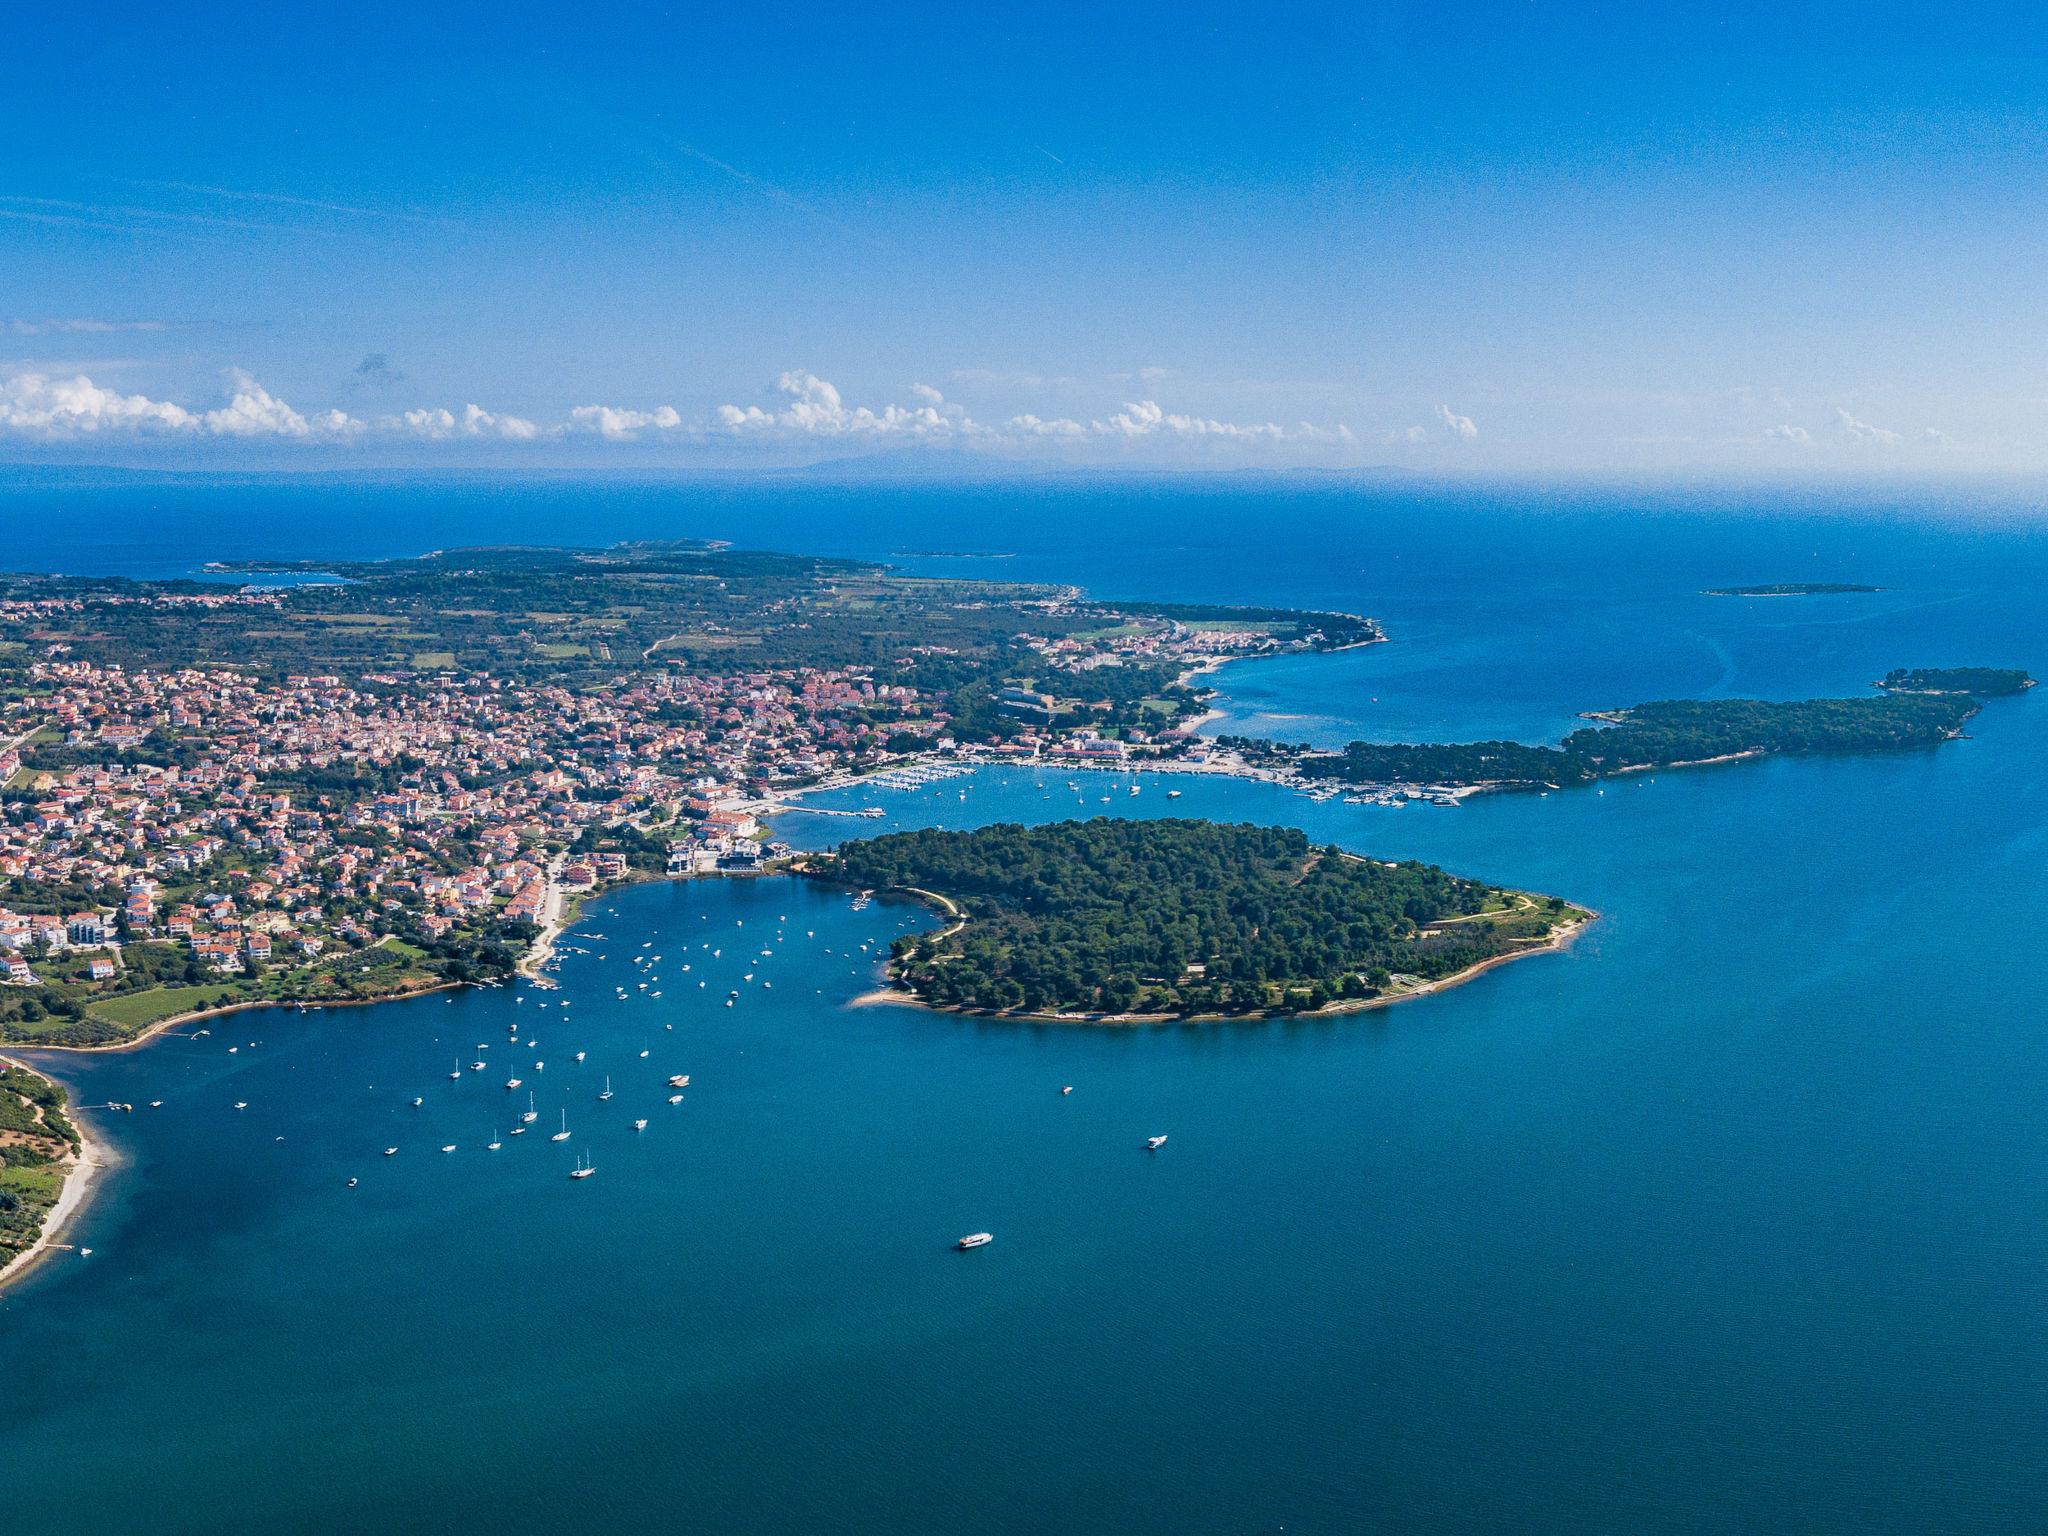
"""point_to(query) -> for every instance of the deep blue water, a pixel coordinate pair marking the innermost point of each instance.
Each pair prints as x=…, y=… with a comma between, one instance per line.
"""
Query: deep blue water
x=1733, y=1217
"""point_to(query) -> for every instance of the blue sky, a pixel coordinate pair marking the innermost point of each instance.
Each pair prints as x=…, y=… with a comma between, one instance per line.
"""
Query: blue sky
x=1765, y=239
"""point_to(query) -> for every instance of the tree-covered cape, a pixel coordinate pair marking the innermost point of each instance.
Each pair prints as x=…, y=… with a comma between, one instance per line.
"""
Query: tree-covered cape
x=1178, y=916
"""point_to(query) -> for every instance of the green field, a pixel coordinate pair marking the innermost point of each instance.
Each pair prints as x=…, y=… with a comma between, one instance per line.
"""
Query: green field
x=139, y=1010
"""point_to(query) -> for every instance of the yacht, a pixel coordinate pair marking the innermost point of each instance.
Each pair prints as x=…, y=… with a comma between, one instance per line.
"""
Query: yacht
x=680, y=1080
x=351, y=1183
x=531, y=1114
x=563, y=1133
x=976, y=1240
x=639, y=1125
x=1154, y=1143
x=607, y=1089
x=449, y=1148
x=474, y=1066
x=675, y=1098
x=579, y=1055
x=581, y=1171
x=1066, y=1089
x=244, y=1103
x=493, y=1144
x=511, y=1083
x=391, y=1151
x=456, y=1075
x=1173, y=794
x=416, y=1103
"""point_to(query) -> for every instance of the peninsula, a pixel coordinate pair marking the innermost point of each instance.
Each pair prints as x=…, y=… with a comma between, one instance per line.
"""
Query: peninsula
x=1117, y=921
x=1671, y=733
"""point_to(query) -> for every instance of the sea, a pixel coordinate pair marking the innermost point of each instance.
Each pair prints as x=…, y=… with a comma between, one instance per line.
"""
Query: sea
x=1730, y=1217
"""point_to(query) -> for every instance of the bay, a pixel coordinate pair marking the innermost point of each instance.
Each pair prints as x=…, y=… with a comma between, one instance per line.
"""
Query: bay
x=1730, y=1217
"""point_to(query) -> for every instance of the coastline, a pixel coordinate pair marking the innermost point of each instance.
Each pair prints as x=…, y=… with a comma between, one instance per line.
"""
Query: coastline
x=94, y=1160
x=80, y=1179
x=1558, y=939
x=557, y=912
x=162, y=1026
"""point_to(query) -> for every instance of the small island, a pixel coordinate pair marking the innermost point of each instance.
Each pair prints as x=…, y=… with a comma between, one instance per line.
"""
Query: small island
x=1983, y=682
x=1121, y=921
x=1792, y=589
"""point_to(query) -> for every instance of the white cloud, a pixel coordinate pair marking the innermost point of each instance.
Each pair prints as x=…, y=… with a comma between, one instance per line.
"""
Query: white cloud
x=816, y=409
x=37, y=406
x=1143, y=418
x=1033, y=426
x=623, y=426
x=253, y=411
x=440, y=425
x=810, y=408
x=1785, y=432
x=43, y=407
x=1415, y=434
x=81, y=327
x=1863, y=431
x=1460, y=427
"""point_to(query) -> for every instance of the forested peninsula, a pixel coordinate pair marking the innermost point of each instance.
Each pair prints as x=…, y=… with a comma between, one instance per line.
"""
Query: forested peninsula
x=1115, y=920
x=1918, y=708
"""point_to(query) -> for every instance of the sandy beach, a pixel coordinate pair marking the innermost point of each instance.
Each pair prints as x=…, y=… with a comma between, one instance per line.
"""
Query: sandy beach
x=80, y=1178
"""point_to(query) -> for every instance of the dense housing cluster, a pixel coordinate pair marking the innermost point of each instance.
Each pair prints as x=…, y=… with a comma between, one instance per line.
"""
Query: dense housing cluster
x=215, y=797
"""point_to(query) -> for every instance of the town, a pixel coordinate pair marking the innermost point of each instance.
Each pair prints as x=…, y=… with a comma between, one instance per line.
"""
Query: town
x=177, y=840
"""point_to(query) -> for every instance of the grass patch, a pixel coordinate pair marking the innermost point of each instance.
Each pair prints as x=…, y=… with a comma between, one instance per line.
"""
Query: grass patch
x=139, y=1010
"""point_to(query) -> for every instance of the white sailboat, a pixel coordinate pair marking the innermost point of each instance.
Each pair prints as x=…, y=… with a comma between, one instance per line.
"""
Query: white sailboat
x=607, y=1088
x=563, y=1133
x=531, y=1114
x=582, y=1170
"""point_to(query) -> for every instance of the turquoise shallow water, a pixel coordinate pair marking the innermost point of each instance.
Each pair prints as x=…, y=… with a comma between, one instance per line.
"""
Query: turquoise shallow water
x=1732, y=1217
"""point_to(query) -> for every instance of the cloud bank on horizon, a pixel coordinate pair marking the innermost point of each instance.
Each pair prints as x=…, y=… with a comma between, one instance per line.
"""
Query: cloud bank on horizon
x=52, y=410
